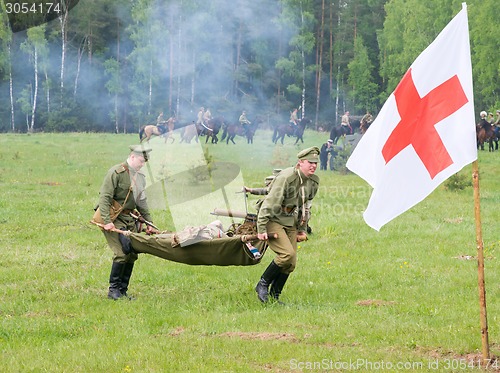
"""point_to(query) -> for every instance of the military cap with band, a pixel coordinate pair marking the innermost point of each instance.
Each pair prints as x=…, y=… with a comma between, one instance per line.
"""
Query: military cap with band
x=141, y=150
x=310, y=154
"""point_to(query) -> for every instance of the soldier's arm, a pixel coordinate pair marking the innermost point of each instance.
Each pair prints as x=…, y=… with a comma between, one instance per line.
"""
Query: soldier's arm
x=312, y=190
x=256, y=191
x=272, y=204
x=106, y=195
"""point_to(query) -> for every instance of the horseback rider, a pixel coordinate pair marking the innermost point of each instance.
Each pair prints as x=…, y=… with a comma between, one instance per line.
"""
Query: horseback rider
x=199, y=120
x=294, y=118
x=207, y=116
x=160, y=120
x=483, y=123
x=366, y=121
x=345, y=121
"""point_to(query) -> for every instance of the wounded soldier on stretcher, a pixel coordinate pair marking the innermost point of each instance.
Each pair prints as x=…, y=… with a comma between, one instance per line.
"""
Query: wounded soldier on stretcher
x=203, y=245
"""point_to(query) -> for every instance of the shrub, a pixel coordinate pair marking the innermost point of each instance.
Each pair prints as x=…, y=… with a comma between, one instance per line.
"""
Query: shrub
x=457, y=182
x=340, y=160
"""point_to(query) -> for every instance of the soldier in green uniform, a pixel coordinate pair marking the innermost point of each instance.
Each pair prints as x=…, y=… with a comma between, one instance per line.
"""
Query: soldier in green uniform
x=286, y=210
x=125, y=184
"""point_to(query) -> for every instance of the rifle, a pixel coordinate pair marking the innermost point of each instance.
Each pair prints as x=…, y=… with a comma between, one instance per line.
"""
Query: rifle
x=252, y=218
x=138, y=217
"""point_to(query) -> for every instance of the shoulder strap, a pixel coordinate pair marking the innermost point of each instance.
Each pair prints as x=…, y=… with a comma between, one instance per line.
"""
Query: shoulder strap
x=125, y=166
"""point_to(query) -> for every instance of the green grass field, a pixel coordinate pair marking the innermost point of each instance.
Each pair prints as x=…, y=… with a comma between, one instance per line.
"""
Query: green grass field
x=402, y=299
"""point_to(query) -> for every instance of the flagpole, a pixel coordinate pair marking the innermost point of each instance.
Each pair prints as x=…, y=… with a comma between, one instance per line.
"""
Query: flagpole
x=480, y=264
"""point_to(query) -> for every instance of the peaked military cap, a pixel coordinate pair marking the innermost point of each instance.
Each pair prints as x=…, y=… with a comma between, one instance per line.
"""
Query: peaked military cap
x=310, y=154
x=141, y=150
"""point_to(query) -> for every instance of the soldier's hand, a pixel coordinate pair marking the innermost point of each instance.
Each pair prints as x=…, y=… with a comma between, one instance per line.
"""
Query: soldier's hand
x=262, y=236
x=301, y=236
x=150, y=230
x=109, y=226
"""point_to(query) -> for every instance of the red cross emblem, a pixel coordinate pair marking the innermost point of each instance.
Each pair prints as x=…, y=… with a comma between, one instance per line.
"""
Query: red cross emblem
x=419, y=115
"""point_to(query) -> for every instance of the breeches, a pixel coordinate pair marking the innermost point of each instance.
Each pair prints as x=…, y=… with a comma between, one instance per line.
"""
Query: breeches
x=115, y=245
x=285, y=246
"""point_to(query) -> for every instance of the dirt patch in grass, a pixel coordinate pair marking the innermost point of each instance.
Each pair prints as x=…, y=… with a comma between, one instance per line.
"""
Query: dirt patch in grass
x=375, y=302
x=465, y=257
x=177, y=331
x=262, y=336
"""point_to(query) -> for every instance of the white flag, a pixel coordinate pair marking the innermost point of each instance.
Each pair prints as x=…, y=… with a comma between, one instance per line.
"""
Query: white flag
x=425, y=132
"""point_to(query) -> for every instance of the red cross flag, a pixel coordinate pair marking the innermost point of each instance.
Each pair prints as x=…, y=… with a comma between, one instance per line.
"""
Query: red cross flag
x=425, y=132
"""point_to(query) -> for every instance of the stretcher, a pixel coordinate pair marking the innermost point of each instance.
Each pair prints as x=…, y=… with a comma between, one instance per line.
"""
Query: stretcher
x=234, y=249
x=227, y=251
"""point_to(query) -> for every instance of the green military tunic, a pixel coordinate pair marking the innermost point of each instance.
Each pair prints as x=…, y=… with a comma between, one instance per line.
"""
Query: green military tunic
x=289, y=198
x=286, y=210
x=116, y=185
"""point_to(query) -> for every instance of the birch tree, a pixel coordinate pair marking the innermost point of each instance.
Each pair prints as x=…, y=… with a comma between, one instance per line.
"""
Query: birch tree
x=35, y=47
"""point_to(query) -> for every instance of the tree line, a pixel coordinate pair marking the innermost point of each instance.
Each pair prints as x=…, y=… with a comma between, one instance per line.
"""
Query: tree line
x=113, y=65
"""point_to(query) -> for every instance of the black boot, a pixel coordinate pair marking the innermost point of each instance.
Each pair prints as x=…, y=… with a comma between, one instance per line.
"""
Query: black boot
x=277, y=286
x=127, y=273
x=126, y=244
x=115, y=280
x=270, y=274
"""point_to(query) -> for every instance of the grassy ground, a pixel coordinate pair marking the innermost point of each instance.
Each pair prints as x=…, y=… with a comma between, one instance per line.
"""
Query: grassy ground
x=403, y=299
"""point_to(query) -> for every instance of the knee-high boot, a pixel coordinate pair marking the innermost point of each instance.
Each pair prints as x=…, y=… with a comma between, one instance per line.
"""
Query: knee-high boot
x=127, y=273
x=115, y=280
x=277, y=285
x=269, y=275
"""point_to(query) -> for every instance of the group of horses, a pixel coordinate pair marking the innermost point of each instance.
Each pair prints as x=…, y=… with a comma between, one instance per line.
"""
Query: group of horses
x=210, y=129
x=213, y=127
x=485, y=132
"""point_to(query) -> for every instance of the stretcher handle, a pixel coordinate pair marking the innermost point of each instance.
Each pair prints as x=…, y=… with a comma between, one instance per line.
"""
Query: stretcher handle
x=125, y=233
x=254, y=237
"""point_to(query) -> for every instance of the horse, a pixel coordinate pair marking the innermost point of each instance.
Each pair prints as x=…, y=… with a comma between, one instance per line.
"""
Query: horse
x=338, y=131
x=231, y=130
x=291, y=130
x=189, y=131
x=486, y=133
x=149, y=130
x=170, y=124
x=211, y=129
x=495, y=138
x=364, y=125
